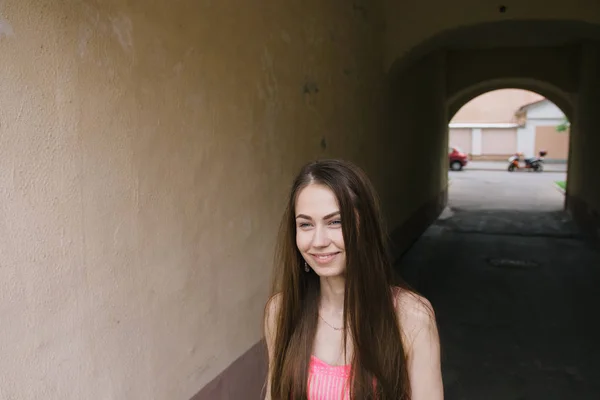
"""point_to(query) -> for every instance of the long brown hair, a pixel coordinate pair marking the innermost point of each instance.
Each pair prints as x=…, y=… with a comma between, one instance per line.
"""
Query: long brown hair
x=378, y=366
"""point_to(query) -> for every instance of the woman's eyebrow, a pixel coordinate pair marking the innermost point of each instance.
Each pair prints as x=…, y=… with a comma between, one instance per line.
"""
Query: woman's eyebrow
x=333, y=214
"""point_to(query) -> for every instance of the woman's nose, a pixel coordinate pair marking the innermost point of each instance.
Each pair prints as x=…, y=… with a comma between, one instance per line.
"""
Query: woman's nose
x=321, y=238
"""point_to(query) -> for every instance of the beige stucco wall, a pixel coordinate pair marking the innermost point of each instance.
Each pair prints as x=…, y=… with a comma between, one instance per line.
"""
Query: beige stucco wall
x=145, y=150
x=498, y=141
x=496, y=106
x=555, y=143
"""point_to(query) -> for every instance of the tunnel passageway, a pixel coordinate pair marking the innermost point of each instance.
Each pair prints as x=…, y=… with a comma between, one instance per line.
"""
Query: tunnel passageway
x=514, y=286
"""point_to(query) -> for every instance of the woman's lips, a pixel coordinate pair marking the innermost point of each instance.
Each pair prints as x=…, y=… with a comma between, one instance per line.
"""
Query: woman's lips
x=324, y=258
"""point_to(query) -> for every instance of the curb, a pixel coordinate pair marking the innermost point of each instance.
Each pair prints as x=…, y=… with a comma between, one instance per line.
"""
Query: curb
x=504, y=170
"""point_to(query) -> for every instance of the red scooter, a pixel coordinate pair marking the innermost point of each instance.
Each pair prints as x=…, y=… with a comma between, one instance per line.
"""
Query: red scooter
x=518, y=162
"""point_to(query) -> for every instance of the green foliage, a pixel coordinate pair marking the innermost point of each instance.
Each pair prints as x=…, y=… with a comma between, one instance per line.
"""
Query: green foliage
x=563, y=126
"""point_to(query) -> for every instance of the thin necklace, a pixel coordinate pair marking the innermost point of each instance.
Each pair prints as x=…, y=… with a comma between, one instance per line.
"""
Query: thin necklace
x=333, y=327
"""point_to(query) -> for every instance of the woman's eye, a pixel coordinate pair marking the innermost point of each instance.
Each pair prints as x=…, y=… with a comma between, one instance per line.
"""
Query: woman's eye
x=336, y=222
x=304, y=225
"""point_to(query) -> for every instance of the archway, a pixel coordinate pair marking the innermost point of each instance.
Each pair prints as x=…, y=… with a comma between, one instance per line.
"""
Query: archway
x=493, y=274
x=564, y=100
x=432, y=81
x=489, y=130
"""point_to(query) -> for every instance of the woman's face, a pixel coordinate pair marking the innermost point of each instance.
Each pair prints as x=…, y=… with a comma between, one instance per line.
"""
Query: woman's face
x=319, y=231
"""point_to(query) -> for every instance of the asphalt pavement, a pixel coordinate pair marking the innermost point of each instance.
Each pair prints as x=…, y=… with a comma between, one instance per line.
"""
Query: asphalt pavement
x=515, y=290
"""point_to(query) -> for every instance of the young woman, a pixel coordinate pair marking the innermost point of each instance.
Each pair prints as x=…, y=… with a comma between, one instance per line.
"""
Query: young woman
x=337, y=326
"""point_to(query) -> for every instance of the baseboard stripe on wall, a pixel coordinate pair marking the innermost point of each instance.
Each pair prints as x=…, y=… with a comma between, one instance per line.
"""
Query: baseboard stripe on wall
x=586, y=218
x=243, y=379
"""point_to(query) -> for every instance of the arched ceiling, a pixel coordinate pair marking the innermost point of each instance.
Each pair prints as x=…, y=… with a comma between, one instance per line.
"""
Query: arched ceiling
x=529, y=33
x=503, y=34
x=538, y=55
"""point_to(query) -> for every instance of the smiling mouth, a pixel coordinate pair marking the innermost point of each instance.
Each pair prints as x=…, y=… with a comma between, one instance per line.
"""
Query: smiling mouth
x=324, y=258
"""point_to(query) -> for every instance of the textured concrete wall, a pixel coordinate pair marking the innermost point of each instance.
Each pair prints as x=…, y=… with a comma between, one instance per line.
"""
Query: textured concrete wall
x=468, y=68
x=145, y=151
x=411, y=22
x=583, y=188
x=419, y=137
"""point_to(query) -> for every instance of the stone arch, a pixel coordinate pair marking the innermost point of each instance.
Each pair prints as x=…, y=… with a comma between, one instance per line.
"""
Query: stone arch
x=498, y=34
x=564, y=100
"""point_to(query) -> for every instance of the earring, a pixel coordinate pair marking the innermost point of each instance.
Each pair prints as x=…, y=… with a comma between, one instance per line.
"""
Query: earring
x=306, y=267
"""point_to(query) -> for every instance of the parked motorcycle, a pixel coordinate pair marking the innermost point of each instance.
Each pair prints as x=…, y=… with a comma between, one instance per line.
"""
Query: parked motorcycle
x=518, y=162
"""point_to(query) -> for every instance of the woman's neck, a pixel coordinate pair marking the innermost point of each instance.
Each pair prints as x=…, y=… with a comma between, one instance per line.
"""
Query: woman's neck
x=332, y=294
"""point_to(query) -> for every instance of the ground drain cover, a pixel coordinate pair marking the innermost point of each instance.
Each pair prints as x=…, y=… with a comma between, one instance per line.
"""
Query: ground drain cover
x=512, y=263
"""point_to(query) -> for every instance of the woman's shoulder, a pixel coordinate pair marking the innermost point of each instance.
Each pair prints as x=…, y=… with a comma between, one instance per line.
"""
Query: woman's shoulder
x=415, y=313
x=408, y=301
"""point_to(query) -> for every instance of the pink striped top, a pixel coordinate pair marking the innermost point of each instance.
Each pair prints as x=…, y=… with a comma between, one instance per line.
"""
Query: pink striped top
x=330, y=382
x=327, y=382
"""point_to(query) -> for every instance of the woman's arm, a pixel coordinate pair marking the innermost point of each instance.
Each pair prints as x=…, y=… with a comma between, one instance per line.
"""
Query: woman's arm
x=270, y=327
x=423, y=347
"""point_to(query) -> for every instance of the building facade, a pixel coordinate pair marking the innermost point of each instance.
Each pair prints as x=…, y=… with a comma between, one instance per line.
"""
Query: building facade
x=498, y=124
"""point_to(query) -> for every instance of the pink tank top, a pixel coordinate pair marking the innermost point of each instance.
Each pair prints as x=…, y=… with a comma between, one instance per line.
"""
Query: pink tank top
x=330, y=382
x=327, y=382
